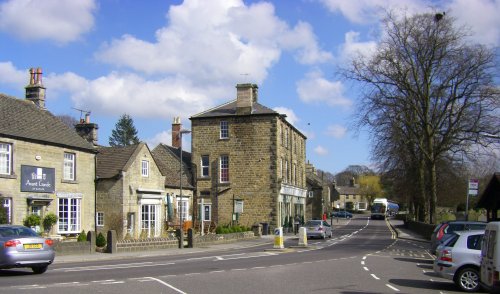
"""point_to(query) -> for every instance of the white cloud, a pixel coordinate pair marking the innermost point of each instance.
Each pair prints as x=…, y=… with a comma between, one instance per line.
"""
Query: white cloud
x=314, y=88
x=481, y=16
x=320, y=150
x=352, y=47
x=61, y=21
x=370, y=11
x=290, y=115
x=12, y=76
x=336, y=131
x=227, y=39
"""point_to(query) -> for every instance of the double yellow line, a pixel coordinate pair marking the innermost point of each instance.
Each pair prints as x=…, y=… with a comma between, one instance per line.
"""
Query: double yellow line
x=394, y=235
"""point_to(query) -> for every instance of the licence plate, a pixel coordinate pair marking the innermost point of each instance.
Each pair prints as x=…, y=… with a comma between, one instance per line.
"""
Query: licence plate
x=33, y=246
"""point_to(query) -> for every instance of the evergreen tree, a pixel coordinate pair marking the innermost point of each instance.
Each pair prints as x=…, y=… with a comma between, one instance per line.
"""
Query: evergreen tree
x=125, y=133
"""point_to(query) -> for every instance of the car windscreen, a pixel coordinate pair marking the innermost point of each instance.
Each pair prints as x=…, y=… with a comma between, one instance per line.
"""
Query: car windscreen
x=313, y=223
x=17, y=232
x=476, y=226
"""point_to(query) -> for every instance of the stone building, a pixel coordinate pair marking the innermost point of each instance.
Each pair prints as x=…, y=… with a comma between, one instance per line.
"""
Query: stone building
x=319, y=201
x=350, y=197
x=130, y=192
x=45, y=166
x=249, y=163
x=169, y=162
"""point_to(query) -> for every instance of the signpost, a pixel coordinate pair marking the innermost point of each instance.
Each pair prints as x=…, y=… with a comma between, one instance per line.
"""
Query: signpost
x=472, y=191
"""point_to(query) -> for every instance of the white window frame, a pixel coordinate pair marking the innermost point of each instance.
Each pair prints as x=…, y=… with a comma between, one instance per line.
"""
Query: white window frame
x=69, y=212
x=224, y=129
x=182, y=211
x=207, y=216
x=150, y=220
x=145, y=168
x=5, y=158
x=99, y=219
x=69, y=166
x=224, y=166
x=205, y=166
x=7, y=205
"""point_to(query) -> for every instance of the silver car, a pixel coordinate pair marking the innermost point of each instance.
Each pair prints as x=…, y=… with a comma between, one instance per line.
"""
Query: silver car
x=459, y=259
x=318, y=229
x=20, y=246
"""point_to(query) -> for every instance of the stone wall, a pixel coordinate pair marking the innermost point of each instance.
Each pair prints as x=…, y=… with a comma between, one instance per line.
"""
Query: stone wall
x=147, y=244
x=73, y=248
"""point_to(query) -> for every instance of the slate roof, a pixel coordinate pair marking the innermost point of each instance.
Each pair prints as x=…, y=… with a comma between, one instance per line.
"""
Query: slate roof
x=21, y=119
x=229, y=109
x=112, y=160
x=167, y=159
x=348, y=190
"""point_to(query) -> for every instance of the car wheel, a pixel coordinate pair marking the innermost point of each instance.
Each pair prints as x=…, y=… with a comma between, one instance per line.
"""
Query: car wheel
x=39, y=269
x=468, y=279
x=330, y=236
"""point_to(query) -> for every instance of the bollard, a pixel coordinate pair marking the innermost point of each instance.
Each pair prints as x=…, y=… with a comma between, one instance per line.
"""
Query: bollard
x=278, y=238
x=302, y=237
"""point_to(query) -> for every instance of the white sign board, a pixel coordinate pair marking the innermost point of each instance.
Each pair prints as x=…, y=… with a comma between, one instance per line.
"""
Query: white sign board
x=238, y=206
x=473, y=186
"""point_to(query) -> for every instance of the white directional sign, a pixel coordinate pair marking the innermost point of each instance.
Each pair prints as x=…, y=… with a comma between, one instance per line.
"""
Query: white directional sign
x=473, y=186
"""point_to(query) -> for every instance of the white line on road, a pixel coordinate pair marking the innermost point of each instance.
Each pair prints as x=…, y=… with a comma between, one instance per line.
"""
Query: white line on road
x=365, y=268
x=392, y=287
x=168, y=285
x=364, y=257
x=363, y=262
x=375, y=277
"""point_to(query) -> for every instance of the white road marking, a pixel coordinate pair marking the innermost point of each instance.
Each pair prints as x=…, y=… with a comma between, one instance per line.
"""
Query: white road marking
x=392, y=287
x=365, y=268
x=363, y=262
x=168, y=285
x=375, y=277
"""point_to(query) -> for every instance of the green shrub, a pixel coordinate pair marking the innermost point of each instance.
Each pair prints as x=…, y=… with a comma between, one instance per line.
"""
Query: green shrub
x=32, y=220
x=82, y=237
x=100, y=241
x=49, y=221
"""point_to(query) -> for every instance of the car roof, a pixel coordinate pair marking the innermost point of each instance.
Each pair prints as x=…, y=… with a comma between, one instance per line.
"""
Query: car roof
x=471, y=232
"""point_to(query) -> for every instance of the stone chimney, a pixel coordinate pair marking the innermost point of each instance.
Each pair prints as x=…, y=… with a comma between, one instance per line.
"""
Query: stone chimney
x=176, y=128
x=35, y=91
x=246, y=96
x=87, y=130
x=352, y=182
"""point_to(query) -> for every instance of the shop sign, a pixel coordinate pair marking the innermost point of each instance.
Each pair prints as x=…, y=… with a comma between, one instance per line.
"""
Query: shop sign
x=37, y=179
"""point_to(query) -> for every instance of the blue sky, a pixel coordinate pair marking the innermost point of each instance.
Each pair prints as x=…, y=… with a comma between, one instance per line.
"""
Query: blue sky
x=156, y=60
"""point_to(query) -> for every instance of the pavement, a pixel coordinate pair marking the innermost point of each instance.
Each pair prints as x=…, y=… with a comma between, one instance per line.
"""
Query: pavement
x=397, y=226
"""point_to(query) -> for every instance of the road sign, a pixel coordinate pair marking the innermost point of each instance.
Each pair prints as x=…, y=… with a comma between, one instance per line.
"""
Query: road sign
x=473, y=186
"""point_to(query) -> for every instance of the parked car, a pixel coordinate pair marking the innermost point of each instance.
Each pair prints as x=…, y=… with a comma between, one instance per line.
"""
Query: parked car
x=21, y=246
x=318, y=229
x=490, y=258
x=444, y=230
x=459, y=259
x=341, y=213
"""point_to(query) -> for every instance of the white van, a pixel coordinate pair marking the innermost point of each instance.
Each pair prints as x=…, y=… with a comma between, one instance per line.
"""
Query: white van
x=490, y=258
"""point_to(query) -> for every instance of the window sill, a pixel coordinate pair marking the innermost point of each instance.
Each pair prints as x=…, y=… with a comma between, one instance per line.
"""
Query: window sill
x=69, y=182
x=204, y=178
x=224, y=183
x=3, y=176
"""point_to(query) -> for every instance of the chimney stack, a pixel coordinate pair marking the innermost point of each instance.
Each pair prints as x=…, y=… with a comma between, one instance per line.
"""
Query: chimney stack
x=35, y=91
x=176, y=129
x=246, y=96
x=87, y=130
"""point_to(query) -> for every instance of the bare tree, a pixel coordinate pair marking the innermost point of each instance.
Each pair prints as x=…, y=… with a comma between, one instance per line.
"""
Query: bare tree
x=428, y=93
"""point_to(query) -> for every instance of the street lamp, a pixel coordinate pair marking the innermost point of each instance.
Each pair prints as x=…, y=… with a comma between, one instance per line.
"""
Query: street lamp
x=181, y=233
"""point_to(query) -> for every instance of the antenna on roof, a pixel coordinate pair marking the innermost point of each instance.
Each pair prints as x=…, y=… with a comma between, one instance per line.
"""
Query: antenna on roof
x=87, y=112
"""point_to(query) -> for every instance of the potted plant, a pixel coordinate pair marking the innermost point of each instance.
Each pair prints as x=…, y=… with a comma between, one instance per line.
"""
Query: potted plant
x=49, y=221
x=33, y=221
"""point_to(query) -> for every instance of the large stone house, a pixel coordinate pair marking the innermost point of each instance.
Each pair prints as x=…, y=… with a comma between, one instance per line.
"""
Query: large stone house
x=350, y=197
x=130, y=192
x=45, y=166
x=249, y=163
x=180, y=205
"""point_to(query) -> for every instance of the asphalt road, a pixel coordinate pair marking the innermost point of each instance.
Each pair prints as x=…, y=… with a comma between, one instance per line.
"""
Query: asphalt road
x=362, y=257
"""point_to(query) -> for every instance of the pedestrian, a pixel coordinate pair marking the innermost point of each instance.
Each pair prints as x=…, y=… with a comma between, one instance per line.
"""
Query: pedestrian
x=296, y=223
